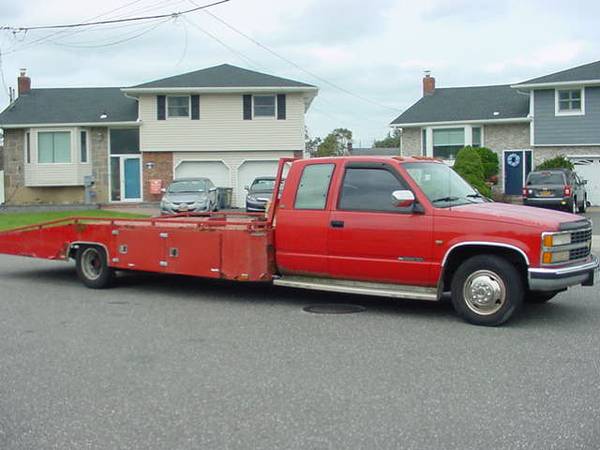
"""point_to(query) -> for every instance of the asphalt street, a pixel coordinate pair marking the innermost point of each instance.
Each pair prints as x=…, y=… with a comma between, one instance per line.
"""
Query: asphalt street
x=176, y=363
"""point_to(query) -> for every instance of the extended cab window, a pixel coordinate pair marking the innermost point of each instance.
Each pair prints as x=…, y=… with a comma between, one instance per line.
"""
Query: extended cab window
x=367, y=189
x=314, y=185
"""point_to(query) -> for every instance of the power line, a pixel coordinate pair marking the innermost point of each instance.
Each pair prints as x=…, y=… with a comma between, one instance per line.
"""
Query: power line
x=299, y=67
x=104, y=22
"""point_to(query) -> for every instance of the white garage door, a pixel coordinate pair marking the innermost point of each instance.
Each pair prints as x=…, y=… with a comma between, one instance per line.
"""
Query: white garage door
x=588, y=169
x=250, y=170
x=215, y=170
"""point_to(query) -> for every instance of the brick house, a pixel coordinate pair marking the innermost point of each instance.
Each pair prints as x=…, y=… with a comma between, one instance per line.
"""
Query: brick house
x=224, y=122
x=524, y=123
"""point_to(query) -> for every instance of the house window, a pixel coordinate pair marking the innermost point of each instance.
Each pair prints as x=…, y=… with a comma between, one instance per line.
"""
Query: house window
x=447, y=142
x=424, y=141
x=83, y=146
x=54, y=147
x=264, y=106
x=178, y=106
x=476, y=136
x=569, y=101
x=28, y=148
x=124, y=141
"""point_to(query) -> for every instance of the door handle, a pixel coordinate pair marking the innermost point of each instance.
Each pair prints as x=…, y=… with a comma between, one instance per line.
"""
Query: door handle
x=337, y=224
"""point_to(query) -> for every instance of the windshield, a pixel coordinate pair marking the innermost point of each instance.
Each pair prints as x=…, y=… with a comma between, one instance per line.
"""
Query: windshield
x=187, y=186
x=442, y=185
x=545, y=178
x=263, y=184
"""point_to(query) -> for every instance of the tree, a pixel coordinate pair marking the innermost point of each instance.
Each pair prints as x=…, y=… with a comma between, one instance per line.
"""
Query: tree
x=392, y=140
x=490, y=162
x=558, y=162
x=311, y=144
x=335, y=143
x=468, y=165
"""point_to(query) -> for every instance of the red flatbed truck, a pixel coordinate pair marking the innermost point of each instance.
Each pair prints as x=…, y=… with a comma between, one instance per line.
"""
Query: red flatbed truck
x=396, y=227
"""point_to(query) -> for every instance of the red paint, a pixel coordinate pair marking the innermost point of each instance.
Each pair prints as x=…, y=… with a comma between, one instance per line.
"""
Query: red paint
x=403, y=248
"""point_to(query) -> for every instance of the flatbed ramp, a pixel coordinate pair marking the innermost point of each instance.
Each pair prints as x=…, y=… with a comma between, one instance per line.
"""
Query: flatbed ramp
x=221, y=245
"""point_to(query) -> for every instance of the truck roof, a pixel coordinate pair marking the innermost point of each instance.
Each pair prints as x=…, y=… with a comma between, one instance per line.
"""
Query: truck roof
x=400, y=159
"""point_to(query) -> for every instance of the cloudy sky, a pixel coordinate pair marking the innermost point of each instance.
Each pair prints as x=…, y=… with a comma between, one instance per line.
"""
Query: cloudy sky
x=368, y=56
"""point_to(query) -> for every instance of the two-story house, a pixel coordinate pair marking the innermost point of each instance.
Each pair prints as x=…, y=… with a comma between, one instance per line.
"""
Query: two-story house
x=226, y=123
x=525, y=123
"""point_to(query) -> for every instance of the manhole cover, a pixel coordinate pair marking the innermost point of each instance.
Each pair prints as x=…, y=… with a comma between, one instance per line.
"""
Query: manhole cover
x=334, y=309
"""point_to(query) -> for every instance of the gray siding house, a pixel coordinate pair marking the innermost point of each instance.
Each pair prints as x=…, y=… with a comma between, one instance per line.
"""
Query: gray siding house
x=524, y=123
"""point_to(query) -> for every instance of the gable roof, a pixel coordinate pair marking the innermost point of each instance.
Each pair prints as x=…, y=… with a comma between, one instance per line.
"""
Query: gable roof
x=586, y=72
x=223, y=76
x=467, y=104
x=70, y=106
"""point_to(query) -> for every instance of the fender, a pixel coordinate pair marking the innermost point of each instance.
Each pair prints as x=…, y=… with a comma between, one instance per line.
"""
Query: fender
x=485, y=244
x=74, y=245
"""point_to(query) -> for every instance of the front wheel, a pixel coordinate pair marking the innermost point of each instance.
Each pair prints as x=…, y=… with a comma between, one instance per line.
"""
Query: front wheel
x=583, y=207
x=92, y=268
x=487, y=290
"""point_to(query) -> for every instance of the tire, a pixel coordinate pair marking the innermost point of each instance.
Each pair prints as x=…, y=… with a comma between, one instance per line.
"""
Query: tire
x=495, y=281
x=540, y=296
x=573, y=206
x=583, y=207
x=92, y=268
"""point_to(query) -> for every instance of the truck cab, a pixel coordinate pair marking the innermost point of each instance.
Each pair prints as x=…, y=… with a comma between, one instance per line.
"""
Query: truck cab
x=413, y=228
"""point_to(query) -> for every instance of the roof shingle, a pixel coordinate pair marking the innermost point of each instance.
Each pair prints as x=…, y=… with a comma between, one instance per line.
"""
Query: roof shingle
x=585, y=72
x=467, y=103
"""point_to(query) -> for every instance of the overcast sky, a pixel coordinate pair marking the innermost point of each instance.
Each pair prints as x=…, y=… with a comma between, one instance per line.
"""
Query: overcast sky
x=376, y=49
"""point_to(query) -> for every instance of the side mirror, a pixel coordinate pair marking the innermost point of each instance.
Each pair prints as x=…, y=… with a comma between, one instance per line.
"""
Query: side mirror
x=163, y=190
x=403, y=199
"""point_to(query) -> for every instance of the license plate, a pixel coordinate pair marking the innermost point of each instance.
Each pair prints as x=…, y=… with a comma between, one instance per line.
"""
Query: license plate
x=545, y=193
x=183, y=208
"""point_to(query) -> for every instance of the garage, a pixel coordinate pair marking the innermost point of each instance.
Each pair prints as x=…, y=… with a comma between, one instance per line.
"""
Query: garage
x=588, y=168
x=217, y=171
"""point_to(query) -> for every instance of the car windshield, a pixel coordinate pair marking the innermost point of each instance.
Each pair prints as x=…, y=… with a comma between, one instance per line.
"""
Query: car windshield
x=442, y=185
x=261, y=184
x=545, y=178
x=187, y=186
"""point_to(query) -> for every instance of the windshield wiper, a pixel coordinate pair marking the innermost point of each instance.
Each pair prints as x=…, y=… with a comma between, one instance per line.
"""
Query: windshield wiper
x=445, y=199
x=474, y=195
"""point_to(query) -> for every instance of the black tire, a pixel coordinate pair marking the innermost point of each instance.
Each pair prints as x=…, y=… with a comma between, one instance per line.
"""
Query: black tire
x=583, y=207
x=488, y=276
x=540, y=296
x=92, y=268
x=573, y=206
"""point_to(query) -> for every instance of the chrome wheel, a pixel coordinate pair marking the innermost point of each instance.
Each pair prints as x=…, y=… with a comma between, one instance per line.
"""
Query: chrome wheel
x=91, y=263
x=484, y=292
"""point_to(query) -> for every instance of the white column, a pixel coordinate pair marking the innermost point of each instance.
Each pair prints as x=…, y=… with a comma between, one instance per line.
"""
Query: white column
x=429, y=147
x=468, y=135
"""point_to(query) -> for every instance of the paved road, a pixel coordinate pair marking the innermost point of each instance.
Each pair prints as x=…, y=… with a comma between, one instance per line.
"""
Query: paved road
x=179, y=363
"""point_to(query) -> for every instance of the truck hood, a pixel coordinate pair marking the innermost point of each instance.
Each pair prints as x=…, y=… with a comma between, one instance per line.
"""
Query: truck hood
x=517, y=214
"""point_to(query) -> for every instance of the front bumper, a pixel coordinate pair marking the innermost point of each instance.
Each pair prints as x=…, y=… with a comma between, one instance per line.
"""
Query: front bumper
x=255, y=206
x=559, y=278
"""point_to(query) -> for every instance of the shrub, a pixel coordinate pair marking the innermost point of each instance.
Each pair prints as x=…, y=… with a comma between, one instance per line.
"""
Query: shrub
x=490, y=162
x=468, y=165
x=559, y=162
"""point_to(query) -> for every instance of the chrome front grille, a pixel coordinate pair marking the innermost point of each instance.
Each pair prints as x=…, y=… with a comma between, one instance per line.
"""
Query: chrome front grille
x=581, y=236
x=578, y=253
x=581, y=239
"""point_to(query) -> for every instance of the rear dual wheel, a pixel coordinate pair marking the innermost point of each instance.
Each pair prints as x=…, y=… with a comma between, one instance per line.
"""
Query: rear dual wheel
x=92, y=267
x=486, y=290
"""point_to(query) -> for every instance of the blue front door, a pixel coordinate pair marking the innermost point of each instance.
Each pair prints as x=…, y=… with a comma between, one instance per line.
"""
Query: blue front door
x=131, y=174
x=517, y=165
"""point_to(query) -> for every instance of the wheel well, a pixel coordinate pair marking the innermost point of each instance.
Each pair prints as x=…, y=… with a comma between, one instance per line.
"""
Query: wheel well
x=460, y=254
x=75, y=246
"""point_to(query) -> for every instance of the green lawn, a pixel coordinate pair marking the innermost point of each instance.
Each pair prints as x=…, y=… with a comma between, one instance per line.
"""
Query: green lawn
x=15, y=220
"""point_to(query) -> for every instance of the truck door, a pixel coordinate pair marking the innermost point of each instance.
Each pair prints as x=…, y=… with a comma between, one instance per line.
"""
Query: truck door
x=303, y=219
x=372, y=239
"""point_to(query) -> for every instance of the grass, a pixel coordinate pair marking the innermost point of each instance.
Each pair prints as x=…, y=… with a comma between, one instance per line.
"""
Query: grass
x=15, y=220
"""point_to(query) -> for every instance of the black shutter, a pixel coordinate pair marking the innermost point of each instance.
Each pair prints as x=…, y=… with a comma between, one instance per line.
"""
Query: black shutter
x=161, y=101
x=195, y=107
x=247, y=107
x=281, y=107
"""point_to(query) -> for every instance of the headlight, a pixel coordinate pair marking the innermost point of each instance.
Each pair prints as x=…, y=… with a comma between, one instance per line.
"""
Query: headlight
x=556, y=257
x=555, y=240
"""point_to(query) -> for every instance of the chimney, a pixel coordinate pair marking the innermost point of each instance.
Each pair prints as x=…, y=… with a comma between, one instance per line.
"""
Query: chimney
x=428, y=83
x=23, y=83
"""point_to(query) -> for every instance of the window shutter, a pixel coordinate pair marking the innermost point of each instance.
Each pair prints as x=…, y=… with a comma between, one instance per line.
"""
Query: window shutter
x=281, y=113
x=161, y=101
x=247, y=107
x=195, y=107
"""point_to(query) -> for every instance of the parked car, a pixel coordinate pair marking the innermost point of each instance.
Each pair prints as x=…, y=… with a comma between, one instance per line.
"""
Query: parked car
x=259, y=193
x=190, y=195
x=556, y=188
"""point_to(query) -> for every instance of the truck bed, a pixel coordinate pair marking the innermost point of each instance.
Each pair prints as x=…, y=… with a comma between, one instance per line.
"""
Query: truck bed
x=220, y=245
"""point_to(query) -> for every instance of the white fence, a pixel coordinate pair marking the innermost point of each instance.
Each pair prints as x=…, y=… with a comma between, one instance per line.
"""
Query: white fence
x=1, y=186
